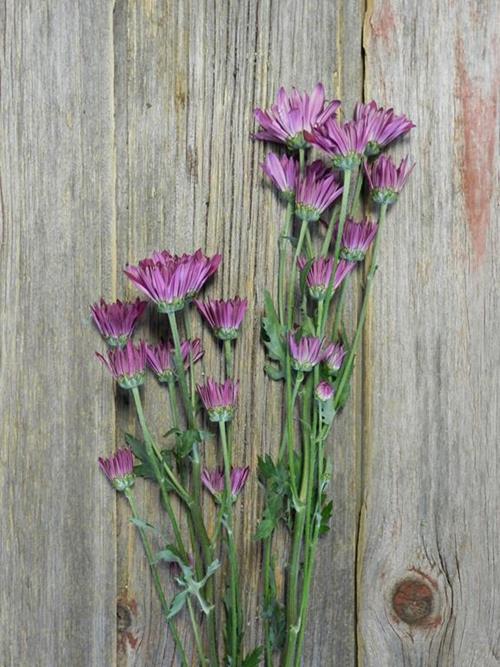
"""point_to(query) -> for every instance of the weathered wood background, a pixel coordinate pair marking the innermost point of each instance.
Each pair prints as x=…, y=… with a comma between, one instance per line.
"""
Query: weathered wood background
x=124, y=127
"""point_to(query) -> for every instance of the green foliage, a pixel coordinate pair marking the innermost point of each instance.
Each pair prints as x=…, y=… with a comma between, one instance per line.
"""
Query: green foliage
x=253, y=659
x=273, y=332
x=274, y=614
x=274, y=477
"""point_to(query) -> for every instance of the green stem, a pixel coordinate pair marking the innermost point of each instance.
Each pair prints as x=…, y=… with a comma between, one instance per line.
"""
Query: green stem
x=338, y=241
x=329, y=232
x=196, y=632
x=366, y=297
x=340, y=307
x=156, y=578
x=291, y=293
x=229, y=357
x=181, y=373
x=291, y=606
x=192, y=388
x=356, y=201
x=291, y=396
x=302, y=160
x=287, y=230
x=267, y=601
x=233, y=563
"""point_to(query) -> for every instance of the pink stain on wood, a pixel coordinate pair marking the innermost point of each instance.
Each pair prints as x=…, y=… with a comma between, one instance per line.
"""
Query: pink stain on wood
x=477, y=124
x=382, y=21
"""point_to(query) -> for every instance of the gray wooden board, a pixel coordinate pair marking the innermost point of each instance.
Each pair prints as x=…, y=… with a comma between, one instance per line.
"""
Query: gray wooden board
x=126, y=127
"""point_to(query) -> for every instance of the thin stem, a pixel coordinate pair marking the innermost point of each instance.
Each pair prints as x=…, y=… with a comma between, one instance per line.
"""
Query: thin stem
x=233, y=564
x=356, y=201
x=302, y=160
x=364, y=306
x=282, y=260
x=329, y=232
x=267, y=601
x=181, y=373
x=192, y=388
x=338, y=241
x=156, y=578
x=340, y=307
x=291, y=397
x=291, y=293
x=196, y=632
x=229, y=357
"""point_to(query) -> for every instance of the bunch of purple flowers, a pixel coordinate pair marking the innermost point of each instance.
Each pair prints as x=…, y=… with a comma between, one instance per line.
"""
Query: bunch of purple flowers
x=310, y=351
x=307, y=342
x=172, y=283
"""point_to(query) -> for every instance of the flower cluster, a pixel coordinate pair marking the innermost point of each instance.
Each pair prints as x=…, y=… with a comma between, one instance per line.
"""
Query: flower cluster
x=213, y=481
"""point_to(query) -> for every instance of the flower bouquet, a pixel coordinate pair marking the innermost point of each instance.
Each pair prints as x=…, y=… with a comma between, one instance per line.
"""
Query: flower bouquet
x=326, y=236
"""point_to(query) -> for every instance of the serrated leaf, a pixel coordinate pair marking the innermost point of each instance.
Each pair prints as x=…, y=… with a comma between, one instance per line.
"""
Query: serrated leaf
x=253, y=658
x=273, y=331
x=326, y=411
x=265, y=528
x=144, y=470
x=137, y=446
x=168, y=555
x=177, y=604
x=142, y=524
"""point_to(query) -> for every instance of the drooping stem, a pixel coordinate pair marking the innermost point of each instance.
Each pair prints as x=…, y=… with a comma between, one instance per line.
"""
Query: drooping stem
x=233, y=562
x=364, y=306
x=156, y=578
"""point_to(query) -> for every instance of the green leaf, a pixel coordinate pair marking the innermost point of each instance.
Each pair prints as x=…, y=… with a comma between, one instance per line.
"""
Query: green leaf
x=326, y=411
x=144, y=470
x=274, y=372
x=303, y=274
x=137, y=446
x=253, y=658
x=177, y=604
x=168, y=555
x=272, y=331
x=326, y=515
x=265, y=528
x=143, y=524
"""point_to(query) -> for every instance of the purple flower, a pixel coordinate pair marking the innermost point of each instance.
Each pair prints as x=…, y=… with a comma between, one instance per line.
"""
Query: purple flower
x=357, y=238
x=126, y=364
x=316, y=191
x=320, y=273
x=333, y=357
x=385, y=126
x=344, y=142
x=306, y=353
x=219, y=399
x=119, y=469
x=116, y=321
x=283, y=172
x=213, y=480
x=386, y=180
x=324, y=391
x=160, y=358
x=172, y=280
x=225, y=317
x=291, y=115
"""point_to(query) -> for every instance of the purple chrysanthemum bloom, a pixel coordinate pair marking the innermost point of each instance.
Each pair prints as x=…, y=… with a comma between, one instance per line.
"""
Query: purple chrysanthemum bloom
x=356, y=239
x=116, y=321
x=283, y=172
x=306, y=353
x=225, y=317
x=219, y=399
x=119, y=469
x=172, y=280
x=344, y=142
x=213, y=480
x=385, y=126
x=291, y=115
x=316, y=190
x=386, y=180
x=161, y=360
x=324, y=391
x=334, y=357
x=320, y=273
x=126, y=364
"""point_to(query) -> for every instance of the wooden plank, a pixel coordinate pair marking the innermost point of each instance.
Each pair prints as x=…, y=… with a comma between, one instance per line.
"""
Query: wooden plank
x=429, y=576
x=57, y=569
x=188, y=75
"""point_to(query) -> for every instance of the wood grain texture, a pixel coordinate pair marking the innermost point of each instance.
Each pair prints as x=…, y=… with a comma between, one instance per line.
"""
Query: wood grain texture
x=187, y=78
x=126, y=127
x=432, y=384
x=57, y=569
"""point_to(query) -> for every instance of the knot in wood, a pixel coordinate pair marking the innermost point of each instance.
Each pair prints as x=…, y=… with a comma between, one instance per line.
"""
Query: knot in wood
x=412, y=601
